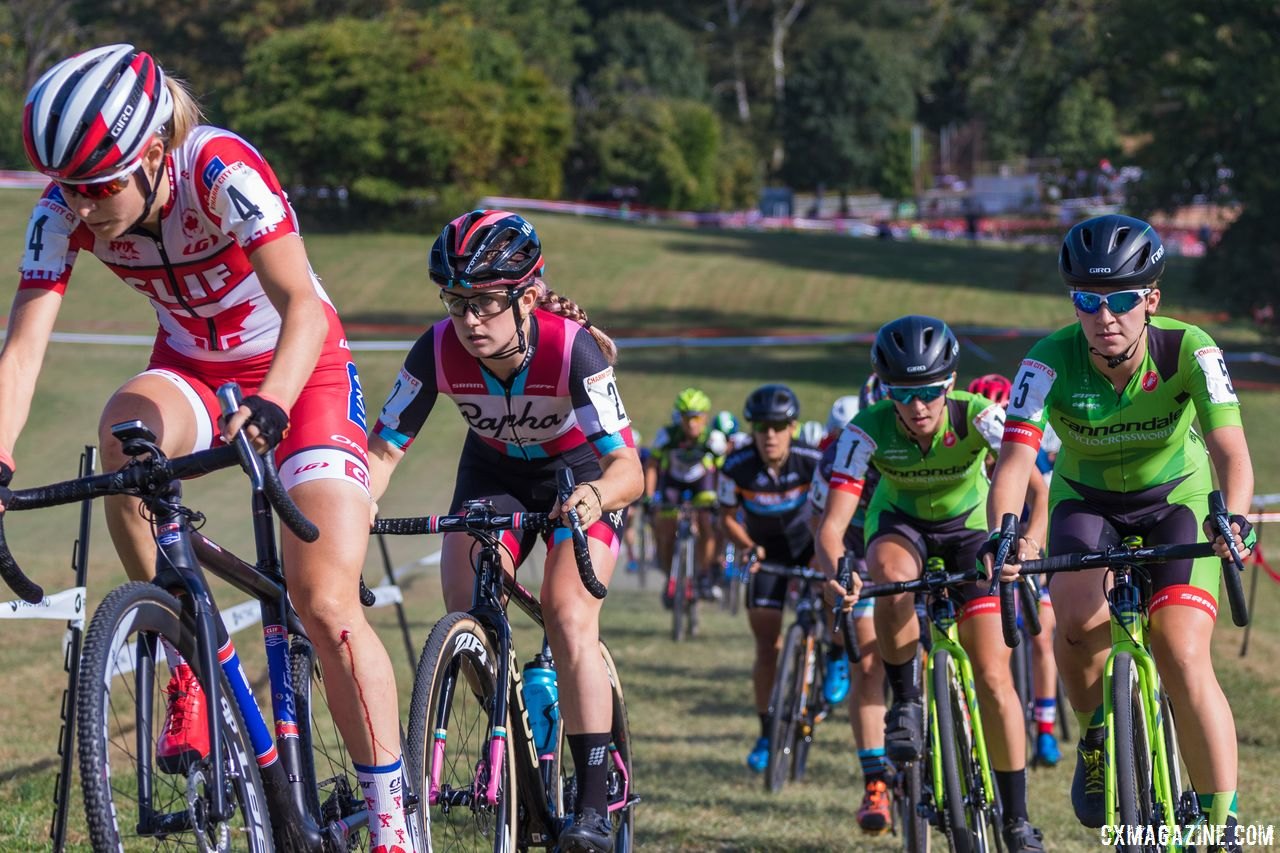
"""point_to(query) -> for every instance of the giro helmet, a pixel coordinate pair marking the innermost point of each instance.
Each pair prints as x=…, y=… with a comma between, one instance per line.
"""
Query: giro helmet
x=914, y=349
x=1111, y=250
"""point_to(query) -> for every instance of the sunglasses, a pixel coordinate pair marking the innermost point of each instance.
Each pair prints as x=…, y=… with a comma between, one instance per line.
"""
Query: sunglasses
x=923, y=393
x=1119, y=302
x=98, y=191
x=771, y=426
x=483, y=304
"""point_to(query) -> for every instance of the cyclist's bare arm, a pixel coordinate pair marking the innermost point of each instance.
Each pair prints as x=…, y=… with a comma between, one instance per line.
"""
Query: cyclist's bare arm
x=651, y=476
x=383, y=459
x=734, y=528
x=1230, y=454
x=829, y=541
x=30, y=325
x=621, y=483
x=1038, y=499
x=1009, y=483
x=285, y=277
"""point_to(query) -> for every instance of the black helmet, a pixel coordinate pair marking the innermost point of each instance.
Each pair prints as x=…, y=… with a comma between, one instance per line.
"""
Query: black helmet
x=1111, y=249
x=486, y=248
x=914, y=349
x=771, y=403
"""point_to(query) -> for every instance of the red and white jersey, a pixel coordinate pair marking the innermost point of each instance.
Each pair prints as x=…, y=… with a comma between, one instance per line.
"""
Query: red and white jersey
x=225, y=203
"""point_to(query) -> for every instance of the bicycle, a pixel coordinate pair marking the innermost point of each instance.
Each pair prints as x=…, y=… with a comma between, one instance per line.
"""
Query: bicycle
x=296, y=792
x=959, y=795
x=1022, y=664
x=683, y=574
x=796, y=703
x=471, y=743
x=1143, y=779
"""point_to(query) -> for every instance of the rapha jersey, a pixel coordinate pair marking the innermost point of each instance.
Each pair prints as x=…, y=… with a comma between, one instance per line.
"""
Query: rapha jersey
x=946, y=481
x=225, y=202
x=563, y=396
x=1135, y=439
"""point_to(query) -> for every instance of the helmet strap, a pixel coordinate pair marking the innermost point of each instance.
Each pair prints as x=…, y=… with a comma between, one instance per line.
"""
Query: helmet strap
x=1114, y=361
x=149, y=190
x=520, y=344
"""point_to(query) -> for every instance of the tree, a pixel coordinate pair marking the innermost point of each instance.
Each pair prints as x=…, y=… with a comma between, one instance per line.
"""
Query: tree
x=653, y=51
x=850, y=101
x=425, y=110
x=1201, y=89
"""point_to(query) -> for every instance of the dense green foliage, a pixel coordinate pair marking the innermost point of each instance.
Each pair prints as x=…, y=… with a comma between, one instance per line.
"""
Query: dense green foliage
x=420, y=106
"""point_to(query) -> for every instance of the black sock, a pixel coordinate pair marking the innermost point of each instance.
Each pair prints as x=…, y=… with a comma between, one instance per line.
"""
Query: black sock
x=904, y=678
x=591, y=763
x=766, y=723
x=1094, y=737
x=1012, y=785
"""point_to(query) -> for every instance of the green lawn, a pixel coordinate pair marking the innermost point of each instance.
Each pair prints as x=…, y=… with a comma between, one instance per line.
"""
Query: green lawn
x=690, y=709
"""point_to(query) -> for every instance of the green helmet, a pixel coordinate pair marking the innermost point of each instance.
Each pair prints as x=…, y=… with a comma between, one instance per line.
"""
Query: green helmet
x=692, y=400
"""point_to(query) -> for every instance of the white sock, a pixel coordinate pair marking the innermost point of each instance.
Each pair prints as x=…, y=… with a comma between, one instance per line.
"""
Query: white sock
x=383, y=787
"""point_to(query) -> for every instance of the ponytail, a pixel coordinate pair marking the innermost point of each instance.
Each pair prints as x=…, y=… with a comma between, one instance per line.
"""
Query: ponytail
x=549, y=300
x=186, y=113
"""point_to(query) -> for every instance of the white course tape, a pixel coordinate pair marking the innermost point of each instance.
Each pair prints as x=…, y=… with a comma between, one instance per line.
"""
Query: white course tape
x=67, y=605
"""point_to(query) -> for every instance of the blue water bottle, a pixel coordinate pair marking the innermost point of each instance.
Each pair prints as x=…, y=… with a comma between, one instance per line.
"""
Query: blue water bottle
x=542, y=699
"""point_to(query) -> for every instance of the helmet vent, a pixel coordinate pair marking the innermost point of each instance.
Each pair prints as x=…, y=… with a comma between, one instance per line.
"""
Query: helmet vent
x=1086, y=237
x=1143, y=257
x=928, y=337
x=1122, y=234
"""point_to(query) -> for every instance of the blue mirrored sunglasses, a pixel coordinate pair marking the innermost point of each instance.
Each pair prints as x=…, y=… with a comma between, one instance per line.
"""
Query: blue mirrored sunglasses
x=1119, y=302
x=924, y=393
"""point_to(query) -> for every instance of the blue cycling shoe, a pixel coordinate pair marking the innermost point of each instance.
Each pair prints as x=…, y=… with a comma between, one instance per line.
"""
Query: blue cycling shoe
x=1047, y=751
x=758, y=758
x=835, y=687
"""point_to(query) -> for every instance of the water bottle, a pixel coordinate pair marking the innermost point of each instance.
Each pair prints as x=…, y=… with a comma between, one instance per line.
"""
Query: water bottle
x=542, y=699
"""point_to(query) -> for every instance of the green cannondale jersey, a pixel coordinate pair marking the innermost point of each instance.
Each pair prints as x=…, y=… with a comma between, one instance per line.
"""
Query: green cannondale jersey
x=944, y=482
x=1131, y=440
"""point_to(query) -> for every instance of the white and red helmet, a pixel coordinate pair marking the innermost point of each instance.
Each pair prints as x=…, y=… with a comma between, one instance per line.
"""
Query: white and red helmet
x=90, y=117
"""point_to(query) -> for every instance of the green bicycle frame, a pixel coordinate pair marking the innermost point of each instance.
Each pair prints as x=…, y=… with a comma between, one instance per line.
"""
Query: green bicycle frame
x=1129, y=629
x=946, y=636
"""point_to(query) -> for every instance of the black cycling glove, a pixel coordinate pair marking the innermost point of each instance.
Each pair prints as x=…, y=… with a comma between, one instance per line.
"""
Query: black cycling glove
x=268, y=417
x=1248, y=536
x=6, y=474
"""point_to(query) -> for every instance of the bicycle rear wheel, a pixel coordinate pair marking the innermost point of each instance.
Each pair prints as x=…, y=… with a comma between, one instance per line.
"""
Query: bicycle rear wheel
x=1133, y=751
x=785, y=707
x=332, y=789
x=450, y=729
x=129, y=802
x=908, y=792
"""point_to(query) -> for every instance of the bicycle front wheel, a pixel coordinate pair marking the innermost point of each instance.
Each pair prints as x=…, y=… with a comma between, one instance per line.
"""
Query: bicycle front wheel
x=681, y=603
x=786, y=704
x=332, y=790
x=908, y=792
x=972, y=823
x=450, y=731
x=1134, y=778
x=620, y=780
x=129, y=801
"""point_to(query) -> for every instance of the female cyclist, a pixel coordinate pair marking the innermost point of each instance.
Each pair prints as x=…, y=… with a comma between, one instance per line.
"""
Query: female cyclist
x=929, y=444
x=193, y=218
x=1121, y=387
x=534, y=381
x=1044, y=672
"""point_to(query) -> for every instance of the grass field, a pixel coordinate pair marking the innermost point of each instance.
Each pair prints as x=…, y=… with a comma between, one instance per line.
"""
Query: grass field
x=689, y=711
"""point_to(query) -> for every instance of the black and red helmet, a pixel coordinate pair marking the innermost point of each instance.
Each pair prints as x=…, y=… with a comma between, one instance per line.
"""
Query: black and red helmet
x=89, y=118
x=486, y=248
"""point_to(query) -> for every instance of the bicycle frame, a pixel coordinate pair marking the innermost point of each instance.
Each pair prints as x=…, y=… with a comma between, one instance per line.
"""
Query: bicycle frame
x=945, y=635
x=180, y=553
x=1129, y=635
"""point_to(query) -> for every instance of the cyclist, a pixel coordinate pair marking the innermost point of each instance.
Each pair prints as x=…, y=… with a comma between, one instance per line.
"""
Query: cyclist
x=1121, y=387
x=866, y=704
x=996, y=388
x=685, y=457
x=534, y=381
x=193, y=218
x=928, y=443
x=769, y=481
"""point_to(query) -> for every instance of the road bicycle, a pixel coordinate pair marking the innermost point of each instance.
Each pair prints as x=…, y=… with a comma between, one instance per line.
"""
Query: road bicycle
x=796, y=702
x=1144, y=786
x=958, y=795
x=296, y=792
x=472, y=748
